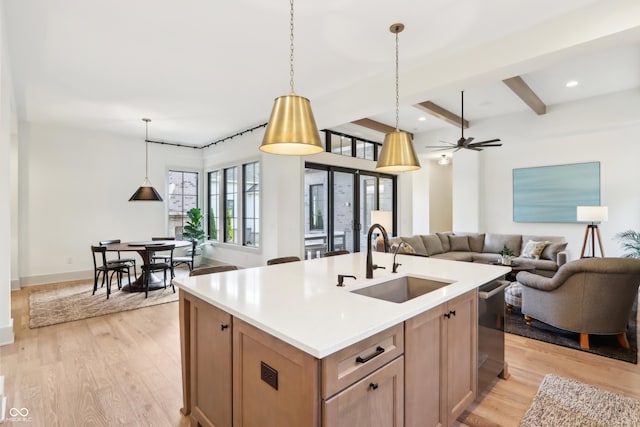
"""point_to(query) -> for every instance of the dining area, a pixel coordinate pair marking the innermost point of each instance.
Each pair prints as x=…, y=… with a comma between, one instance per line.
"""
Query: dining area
x=116, y=261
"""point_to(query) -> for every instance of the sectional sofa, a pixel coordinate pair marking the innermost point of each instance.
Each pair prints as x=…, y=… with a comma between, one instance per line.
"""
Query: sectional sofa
x=544, y=253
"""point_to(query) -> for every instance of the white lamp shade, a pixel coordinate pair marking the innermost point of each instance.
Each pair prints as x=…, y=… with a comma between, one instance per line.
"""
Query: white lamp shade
x=592, y=213
x=384, y=218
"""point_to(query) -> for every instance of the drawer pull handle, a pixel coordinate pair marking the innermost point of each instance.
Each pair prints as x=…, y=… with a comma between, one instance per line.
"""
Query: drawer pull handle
x=373, y=386
x=378, y=352
x=450, y=313
x=223, y=326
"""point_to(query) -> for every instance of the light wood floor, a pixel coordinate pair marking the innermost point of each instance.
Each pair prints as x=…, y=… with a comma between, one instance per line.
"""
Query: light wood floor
x=124, y=369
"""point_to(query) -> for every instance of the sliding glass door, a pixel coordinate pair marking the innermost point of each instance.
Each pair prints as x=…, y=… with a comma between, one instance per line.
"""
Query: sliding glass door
x=338, y=205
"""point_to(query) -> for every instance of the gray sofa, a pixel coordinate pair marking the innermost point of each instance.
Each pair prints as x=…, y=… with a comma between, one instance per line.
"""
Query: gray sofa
x=484, y=247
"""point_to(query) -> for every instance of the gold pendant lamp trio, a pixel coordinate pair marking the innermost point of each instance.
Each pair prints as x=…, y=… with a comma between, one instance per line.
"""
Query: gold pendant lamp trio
x=292, y=129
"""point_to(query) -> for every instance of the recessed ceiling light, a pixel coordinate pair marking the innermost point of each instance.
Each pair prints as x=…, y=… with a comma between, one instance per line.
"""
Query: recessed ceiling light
x=422, y=118
x=572, y=83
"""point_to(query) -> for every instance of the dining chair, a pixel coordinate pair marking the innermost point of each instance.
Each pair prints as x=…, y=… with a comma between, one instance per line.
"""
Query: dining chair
x=212, y=269
x=153, y=267
x=334, y=253
x=189, y=259
x=282, y=260
x=107, y=269
x=131, y=261
x=156, y=239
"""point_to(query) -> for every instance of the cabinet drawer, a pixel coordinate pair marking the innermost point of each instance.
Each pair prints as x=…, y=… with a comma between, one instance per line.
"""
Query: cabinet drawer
x=375, y=400
x=350, y=364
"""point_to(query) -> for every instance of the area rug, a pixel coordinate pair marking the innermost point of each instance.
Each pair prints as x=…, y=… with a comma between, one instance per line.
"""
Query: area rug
x=566, y=402
x=603, y=345
x=75, y=302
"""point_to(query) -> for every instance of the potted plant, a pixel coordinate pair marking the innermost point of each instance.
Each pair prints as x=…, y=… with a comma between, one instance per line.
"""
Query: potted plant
x=193, y=231
x=630, y=241
x=505, y=255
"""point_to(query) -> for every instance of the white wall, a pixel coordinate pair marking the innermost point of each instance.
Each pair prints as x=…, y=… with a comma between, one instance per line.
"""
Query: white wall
x=7, y=129
x=603, y=129
x=74, y=190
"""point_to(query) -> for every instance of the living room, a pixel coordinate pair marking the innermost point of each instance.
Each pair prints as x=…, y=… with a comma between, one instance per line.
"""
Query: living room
x=66, y=186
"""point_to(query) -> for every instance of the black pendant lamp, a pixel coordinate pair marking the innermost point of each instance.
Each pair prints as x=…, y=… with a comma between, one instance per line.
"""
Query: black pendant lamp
x=146, y=192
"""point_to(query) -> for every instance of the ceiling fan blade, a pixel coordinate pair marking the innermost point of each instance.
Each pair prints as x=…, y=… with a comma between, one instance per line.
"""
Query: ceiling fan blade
x=488, y=141
x=457, y=149
x=474, y=148
x=468, y=140
x=441, y=148
x=486, y=145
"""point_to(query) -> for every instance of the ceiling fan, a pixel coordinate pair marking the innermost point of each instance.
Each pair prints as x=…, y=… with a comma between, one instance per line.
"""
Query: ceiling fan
x=465, y=142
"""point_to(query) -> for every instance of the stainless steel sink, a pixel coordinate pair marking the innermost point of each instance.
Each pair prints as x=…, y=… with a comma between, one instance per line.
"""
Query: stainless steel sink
x=401, y=289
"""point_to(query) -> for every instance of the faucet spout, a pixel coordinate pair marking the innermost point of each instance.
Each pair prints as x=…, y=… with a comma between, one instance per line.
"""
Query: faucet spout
x=370, y=266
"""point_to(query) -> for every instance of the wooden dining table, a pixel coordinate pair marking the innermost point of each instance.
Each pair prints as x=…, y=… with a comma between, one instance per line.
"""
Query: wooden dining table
x=140, y=247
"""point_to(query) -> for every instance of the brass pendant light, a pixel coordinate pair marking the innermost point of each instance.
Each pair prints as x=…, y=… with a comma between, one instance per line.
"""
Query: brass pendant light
x=291, y=129
x=397, y=153
x=146, y=192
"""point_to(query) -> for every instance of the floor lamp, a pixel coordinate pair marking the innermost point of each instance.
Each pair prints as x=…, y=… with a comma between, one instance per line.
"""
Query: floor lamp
x=592, y=214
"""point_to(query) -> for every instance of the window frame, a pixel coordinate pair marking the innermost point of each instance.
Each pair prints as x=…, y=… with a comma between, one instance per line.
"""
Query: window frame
x=184, y=217
x=238, y=222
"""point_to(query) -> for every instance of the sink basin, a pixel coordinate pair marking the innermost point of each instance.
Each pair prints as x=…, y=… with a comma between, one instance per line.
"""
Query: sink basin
x=401, y=289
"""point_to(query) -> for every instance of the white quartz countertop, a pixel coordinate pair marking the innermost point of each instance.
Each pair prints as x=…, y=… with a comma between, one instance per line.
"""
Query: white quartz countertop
x=300, y=303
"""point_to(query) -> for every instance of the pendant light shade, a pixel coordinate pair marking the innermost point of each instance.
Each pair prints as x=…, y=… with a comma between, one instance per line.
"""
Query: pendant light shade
x=146, y=192
x=291, y=129
x=397, y=154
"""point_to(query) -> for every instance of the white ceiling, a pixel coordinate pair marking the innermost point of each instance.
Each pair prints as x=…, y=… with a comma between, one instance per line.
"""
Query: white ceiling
x=203, y=70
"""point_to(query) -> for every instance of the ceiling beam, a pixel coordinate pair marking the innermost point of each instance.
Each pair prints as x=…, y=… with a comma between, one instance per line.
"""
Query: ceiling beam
x=377, y=126
x=441, y=113
x=520, y=88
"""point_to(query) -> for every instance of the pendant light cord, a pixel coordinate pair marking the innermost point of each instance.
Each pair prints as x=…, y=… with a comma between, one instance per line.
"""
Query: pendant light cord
x=146, y=149
x=462, y=112
x=291, y=48
x=397, y=88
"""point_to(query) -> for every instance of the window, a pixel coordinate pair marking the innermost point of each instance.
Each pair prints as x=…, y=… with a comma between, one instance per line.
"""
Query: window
x=338, y=205
x=251, y=203
x=234, y=204
x=230, y=204
x=183, y=196
x=316, y=207
x=346, y=145
x=214, y=204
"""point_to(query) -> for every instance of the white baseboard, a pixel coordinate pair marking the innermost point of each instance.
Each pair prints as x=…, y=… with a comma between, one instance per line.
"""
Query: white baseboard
x=15, y=285
x=55, y=278
x=6, y=334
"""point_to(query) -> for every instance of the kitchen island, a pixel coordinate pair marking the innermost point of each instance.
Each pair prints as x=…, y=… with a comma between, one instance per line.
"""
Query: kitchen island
x=283, y=345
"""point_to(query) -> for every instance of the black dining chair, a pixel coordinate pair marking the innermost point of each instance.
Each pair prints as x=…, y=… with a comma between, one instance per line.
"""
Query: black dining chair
x=334, y=253
x=282, y=260
x=153, y=266
x=157, y=239
x=188, y=259
x=131, y=261
x=107, y=269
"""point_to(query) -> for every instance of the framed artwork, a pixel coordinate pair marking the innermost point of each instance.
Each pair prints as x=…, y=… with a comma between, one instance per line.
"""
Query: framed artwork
x=552, y=193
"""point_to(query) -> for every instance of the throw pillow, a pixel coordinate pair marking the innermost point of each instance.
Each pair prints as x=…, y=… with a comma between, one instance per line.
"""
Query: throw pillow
x=433, y=244
x=550, y=252
x=416, y=243
x=444, y=239
x=459, y=243
x=533, y=249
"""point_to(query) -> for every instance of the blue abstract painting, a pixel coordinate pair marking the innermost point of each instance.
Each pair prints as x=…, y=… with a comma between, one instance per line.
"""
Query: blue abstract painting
x=552, y=193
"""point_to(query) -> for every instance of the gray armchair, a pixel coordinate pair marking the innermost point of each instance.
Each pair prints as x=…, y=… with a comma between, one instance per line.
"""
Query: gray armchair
x=587, y=296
